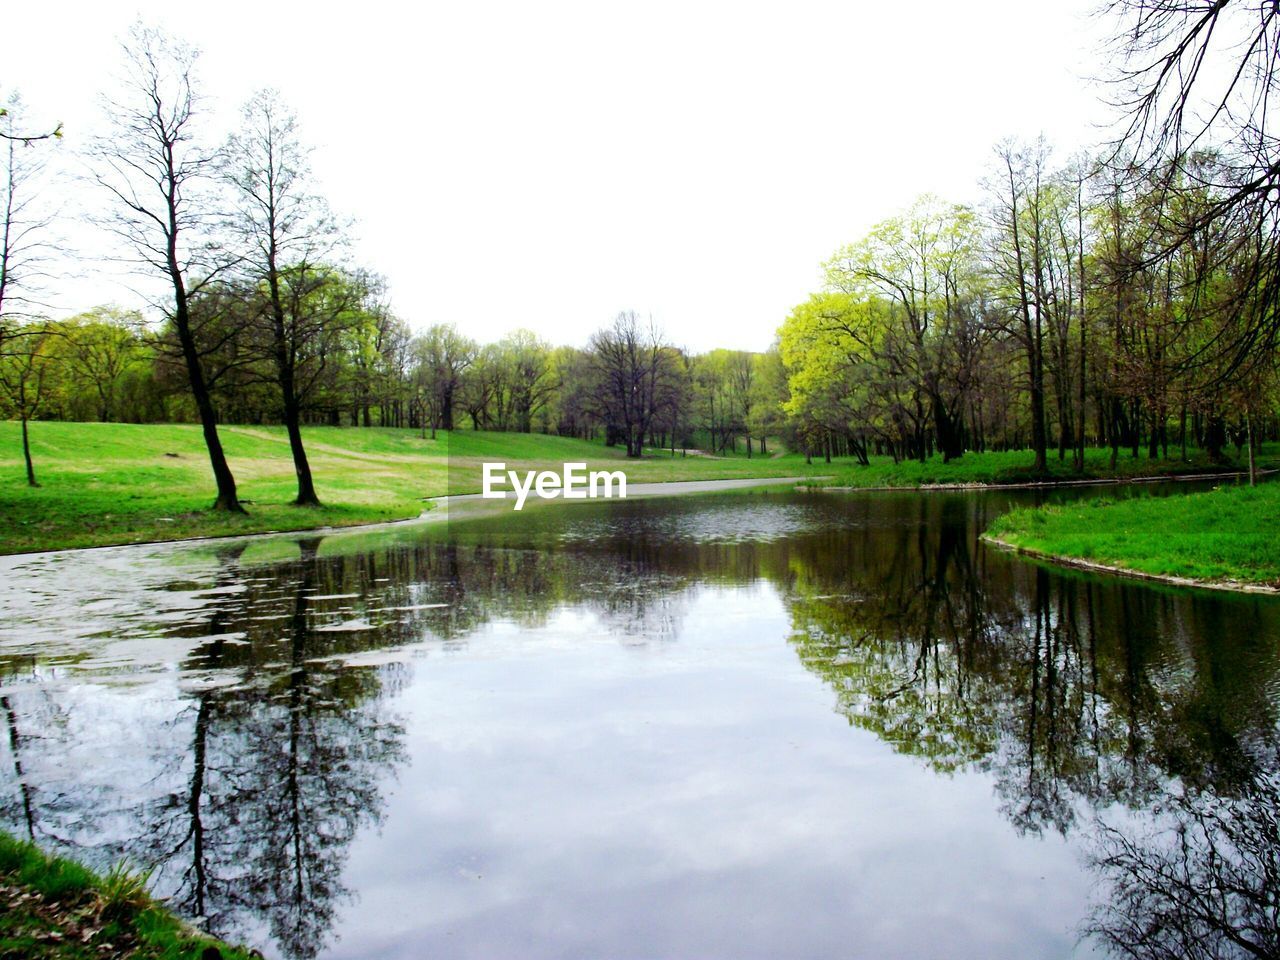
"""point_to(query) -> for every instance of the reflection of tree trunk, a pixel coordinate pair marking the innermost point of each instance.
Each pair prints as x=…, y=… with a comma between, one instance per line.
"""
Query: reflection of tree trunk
x=298, y=682
x=11, y=719
x=1093, y=667
x=218, y=624
x=195, y=795
x=1052, y=639
x=1132, y=672
x=1041, y=600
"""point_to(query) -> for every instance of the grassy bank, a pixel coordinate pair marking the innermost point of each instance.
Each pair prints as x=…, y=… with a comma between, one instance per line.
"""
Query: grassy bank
x=1228, y=534
x=1013, y=467
x=54, y=909
x=105, y=483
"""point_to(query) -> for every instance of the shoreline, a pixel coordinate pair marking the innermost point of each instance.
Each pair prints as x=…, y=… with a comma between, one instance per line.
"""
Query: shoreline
x=1048, y=484
x=429, y=515
x=663, y=488
x=1093, y=566
x=59, y=907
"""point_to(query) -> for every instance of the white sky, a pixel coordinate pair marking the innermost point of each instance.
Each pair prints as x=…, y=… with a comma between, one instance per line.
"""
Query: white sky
x=548, y=164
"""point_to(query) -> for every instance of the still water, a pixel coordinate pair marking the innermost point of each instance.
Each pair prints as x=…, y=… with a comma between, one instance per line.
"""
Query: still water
x=745, y=725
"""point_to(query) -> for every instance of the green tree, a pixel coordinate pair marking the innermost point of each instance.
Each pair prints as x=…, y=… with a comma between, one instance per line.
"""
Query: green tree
x=25, y=376
x=97, y=351
x=443, y=358
x=924, y=267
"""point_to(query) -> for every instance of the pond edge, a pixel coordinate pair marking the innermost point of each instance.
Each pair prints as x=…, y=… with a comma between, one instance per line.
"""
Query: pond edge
x=431, y=514
x=1092, y=566
x=1044, y=484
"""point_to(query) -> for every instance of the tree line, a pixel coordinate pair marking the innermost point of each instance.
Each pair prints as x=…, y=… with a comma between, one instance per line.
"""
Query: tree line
x=266, y=321
x=364, y=366
x=1070, y=310
x=1126, y=299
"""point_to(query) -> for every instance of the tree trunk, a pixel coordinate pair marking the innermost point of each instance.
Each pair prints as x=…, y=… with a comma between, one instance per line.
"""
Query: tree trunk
x=1084, y=353
x=225, y=480
x=1253, y=463
x=446, y=410
x=284, y=357
x=306, y=487
x=1032, y=337
x=950, y=434
x=26, y=453
x=1215, y=437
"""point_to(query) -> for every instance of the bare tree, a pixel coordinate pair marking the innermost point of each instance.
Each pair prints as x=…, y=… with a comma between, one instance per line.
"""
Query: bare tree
x=1019, y=213
x=1204, y=888
x=1197, y=76
x=287, y=231
x=23, y=240
x=157, y=175
x=1197, y=73
x=628, y=358
x=9, y=133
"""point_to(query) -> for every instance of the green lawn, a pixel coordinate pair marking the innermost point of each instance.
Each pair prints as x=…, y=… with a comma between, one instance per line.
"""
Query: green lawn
x=1010, y=467
x=105, y=483
x=55, y=909
x=1231, y=533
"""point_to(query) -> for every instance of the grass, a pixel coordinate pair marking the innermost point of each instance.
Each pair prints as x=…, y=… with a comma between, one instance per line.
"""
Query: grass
x=1010, y=467
x=108, y=483
x=1228, y=534
x=52, y=908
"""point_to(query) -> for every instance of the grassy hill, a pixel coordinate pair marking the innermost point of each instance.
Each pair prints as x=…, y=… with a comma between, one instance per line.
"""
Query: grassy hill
x=105, y=483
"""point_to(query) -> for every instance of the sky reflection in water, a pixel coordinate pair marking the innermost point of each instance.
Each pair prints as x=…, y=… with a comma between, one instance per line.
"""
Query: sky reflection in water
x=747, y=725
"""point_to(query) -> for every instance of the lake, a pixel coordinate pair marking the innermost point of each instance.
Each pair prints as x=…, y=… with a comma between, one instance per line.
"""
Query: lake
x=760, y=724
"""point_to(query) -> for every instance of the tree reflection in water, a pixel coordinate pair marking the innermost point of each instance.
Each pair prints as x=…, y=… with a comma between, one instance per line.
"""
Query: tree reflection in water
x=1078, y=696
x=244, y=797
x=271, y=762
x=284, y=767
x=1099, y=709
x=1205, y=888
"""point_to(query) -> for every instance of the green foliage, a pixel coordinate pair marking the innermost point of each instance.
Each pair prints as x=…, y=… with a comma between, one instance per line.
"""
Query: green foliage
x=123, y=891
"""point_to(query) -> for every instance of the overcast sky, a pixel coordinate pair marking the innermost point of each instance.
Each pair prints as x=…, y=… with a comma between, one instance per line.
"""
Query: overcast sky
x=548, y=164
